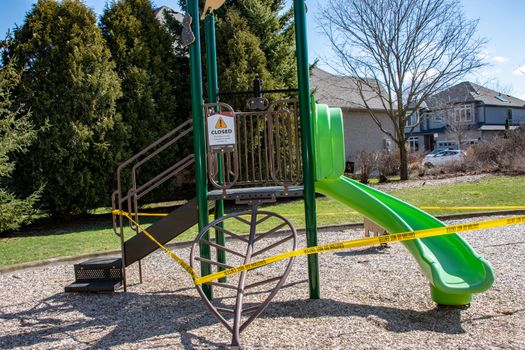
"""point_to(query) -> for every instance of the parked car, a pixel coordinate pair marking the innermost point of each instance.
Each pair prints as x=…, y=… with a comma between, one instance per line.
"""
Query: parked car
x=438, y=150
x=443, y=157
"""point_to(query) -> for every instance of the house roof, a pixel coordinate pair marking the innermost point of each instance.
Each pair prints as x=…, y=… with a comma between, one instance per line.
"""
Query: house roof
x=161, y=11
x=469, y=92
x=341, y=91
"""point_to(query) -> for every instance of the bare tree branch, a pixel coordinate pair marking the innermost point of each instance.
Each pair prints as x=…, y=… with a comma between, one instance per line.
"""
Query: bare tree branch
x=404, y=51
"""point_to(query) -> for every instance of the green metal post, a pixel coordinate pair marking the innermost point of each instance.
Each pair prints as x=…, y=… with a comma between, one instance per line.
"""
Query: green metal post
x=199, y=139
x=303, y=74
x=213, y=89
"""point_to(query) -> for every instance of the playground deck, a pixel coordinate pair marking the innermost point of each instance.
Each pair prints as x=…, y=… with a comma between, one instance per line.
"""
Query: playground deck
x=371, y=298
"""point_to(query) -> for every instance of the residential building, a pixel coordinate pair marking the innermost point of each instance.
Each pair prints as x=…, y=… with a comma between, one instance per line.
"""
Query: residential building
x=160, y=14
x=464, y=114
x=361, y=132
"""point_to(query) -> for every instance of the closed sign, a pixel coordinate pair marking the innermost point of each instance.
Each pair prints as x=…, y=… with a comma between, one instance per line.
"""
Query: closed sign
x=221, y=131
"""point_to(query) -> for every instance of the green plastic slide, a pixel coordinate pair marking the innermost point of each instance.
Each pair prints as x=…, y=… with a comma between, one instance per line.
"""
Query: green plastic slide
x=452, y=267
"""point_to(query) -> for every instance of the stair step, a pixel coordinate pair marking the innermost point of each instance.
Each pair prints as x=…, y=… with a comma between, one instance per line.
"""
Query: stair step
x=97, y=275
x=94, y=286
x=99, y=268
x=101, y=263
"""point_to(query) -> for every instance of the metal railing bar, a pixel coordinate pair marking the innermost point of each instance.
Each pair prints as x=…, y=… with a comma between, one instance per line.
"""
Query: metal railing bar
x=222, y=309
x=114, y=218
x=290, y=145
x=273, y=230
x=221, y=247
x=297, y=145
x=166, y=178
x=180, y=165
x=223, y=285
x=222, y=229
x=260, y=283
x=271, y=246
x=264, y=219
x=259, y=148
x=244, y=221
x=213, y=262
x=154, y=144
x=245, y=149
x=165, y=175
x=250, y=309
x=254, y=144
x=162, y=148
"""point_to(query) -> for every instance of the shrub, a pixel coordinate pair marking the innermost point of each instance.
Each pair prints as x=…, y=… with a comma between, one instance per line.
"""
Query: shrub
x=387, y=163
x=502, y=154
x=366, y=165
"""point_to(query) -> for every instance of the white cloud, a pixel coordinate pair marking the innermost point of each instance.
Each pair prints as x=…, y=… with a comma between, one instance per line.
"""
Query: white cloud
x=520, y=70
x=500, y=59
x=521, y=96
x=489, y=72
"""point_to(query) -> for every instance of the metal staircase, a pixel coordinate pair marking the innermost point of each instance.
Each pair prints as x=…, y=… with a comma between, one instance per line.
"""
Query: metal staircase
x=109, y=274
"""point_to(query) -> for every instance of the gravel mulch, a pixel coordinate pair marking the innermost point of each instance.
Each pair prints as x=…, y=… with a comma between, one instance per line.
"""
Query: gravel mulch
x=371, y=299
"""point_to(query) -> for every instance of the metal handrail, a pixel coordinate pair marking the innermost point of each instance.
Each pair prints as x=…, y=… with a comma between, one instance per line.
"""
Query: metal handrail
x=165, y=141
x=136, y=192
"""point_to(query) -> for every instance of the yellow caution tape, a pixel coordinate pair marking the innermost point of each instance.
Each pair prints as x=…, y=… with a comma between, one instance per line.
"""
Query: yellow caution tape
x=395, y=237
x=146, y=214
x=390, y=238
x=501, y=207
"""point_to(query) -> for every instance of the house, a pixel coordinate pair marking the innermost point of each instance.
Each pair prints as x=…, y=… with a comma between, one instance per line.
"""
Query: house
x=161, y=12
x=160, y=15
x=361, y=132
x=464, y=114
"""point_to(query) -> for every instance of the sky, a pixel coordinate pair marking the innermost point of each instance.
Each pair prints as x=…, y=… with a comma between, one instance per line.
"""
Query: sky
x=500, y=22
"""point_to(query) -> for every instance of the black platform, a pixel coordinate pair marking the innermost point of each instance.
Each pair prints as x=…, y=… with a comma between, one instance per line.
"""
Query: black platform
x=97, y=275
x=257, y=193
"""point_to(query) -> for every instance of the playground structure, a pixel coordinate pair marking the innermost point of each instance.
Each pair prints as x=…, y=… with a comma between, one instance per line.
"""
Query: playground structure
x=282, y=148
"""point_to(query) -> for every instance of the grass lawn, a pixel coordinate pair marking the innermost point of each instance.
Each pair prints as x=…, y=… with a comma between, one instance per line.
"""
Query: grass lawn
x=98, y=236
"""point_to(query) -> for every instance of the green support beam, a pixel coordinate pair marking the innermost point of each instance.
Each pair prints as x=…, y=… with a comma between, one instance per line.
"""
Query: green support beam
x=303, y=73
x=213, y=89
x=199, y=137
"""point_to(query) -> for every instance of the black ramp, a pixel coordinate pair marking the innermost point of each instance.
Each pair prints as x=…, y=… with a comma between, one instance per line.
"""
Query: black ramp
x=164, y=230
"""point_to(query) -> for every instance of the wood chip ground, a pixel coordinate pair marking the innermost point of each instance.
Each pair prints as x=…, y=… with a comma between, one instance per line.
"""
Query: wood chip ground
x=371, y=299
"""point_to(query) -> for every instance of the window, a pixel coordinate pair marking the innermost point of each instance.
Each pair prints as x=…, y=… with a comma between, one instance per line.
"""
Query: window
x=413, y=119
x=502, y=98
x=413, y=143
x=462, y=114
x=438, y=116
x=447, y=144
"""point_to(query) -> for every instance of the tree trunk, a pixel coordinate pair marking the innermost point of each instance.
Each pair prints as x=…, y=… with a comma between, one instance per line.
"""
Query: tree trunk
x=403, y=156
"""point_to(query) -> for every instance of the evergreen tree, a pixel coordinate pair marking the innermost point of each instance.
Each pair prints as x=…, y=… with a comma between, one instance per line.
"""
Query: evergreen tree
x=16, y=134
x=154, y=100
x=255, y=37
x=70, y=85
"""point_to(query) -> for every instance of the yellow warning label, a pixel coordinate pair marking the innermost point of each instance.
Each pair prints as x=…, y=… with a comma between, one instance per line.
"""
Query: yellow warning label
x=220, y=124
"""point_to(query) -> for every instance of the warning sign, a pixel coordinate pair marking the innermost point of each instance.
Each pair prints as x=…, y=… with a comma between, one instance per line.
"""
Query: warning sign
x=221, y=131
x=220, y=124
